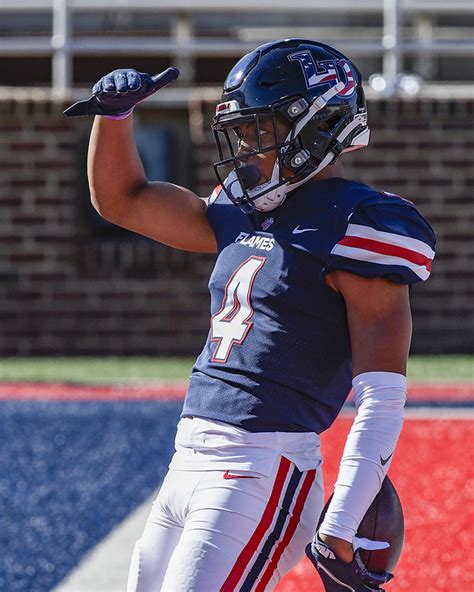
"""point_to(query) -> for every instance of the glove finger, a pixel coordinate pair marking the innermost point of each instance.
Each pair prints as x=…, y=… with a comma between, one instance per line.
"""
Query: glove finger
x=97, y=88
x=108, y=83
x=369, y=544
x=133, y=80
x=120, y=81
x=88, y=107
x=160, y=80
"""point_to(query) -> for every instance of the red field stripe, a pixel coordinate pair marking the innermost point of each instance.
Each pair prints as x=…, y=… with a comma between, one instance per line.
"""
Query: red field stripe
x=432, y=472
x=55, y=391
x=441, y=391
x=52, y=391
x=438, y=391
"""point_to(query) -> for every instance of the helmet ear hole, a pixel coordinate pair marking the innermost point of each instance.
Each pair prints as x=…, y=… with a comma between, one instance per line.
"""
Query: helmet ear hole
x=320, y=144
x=324, y=127
x=330, y=123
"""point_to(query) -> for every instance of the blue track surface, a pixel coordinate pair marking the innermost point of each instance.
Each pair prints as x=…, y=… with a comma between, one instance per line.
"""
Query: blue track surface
x=69, y=472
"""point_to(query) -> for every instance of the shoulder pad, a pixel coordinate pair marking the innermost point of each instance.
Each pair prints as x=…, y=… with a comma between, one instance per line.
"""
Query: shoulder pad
x=387, y=237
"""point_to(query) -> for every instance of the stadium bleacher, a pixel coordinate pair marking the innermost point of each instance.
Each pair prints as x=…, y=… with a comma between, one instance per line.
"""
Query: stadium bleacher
x=430, y=38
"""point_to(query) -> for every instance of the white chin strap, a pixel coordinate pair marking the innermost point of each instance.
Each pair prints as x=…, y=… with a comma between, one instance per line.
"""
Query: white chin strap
x=275, y=196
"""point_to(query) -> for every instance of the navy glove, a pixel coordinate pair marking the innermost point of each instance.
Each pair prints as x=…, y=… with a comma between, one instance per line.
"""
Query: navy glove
x=117, y=93
x=340, y=576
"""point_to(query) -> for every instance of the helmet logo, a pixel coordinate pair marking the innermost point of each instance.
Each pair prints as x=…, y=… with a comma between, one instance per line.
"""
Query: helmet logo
x=227, y=107
x=326, y=72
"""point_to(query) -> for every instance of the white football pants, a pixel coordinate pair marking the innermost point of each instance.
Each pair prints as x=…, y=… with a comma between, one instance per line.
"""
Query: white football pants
x=226, y=531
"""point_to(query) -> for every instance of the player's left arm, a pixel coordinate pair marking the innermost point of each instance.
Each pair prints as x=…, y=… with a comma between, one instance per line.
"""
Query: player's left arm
x=379, y=320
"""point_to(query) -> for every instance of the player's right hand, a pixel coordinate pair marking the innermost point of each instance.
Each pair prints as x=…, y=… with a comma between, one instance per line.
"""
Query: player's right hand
x=339, y=576
x=118, y=92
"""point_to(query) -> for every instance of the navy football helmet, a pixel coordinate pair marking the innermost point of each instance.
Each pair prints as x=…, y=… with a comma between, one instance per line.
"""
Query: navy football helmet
x=310, y=86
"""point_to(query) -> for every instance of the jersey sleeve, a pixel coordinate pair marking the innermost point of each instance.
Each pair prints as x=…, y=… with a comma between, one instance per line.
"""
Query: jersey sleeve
x=214, y=195
x=224, y=218
x=388, y=239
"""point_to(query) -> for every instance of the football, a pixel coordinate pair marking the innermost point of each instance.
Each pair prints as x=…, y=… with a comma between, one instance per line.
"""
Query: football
x=383, y=522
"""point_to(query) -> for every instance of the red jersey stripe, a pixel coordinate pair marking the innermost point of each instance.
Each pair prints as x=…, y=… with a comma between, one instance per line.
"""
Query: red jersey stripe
x=386, y=249
x=290, y=530
x=262, y=527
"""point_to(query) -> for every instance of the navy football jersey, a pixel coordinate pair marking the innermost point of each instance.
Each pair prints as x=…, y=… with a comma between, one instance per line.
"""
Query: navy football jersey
x=278, y=355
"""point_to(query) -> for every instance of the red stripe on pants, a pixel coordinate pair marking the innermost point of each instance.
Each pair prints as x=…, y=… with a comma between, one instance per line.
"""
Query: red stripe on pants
x=262, y=527
x=290, y=530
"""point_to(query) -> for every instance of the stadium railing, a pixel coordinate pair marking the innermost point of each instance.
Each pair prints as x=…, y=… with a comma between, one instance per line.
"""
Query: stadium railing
x=183, y=44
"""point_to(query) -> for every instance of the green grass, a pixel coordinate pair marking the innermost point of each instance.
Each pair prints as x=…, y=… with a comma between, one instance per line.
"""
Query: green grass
x=95, y=370
x=441, y=368
x=106, y=370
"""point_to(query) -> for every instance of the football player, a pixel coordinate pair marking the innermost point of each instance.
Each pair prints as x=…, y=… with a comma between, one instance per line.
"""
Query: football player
x=309, y=296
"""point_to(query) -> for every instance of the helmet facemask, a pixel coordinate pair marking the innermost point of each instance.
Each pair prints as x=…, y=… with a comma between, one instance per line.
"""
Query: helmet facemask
x=241, y=180
x=318, y=134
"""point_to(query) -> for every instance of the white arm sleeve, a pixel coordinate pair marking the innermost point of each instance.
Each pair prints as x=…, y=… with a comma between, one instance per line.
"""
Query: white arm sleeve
x=379, y=399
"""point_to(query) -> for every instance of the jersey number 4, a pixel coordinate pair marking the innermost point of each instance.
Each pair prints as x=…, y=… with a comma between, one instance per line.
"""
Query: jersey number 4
x=230, y=325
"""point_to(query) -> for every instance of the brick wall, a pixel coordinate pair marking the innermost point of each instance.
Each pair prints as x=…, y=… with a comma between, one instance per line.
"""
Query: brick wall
x=65, y=292
x=61, y=292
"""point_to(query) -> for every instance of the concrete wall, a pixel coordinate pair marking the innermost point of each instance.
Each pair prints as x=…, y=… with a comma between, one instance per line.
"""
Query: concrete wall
x=70, y=286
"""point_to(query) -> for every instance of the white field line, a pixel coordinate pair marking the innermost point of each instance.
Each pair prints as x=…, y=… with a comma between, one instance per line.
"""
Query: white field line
x=105, y=567
x=441, y=413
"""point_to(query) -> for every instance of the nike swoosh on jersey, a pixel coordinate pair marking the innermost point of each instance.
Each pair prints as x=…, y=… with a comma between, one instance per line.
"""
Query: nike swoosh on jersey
x=384, y=461
x=298, y=230
x=228, y=475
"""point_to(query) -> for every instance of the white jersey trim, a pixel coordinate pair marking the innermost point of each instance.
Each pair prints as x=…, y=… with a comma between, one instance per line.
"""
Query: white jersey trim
x=378, y=258
x=390, y=238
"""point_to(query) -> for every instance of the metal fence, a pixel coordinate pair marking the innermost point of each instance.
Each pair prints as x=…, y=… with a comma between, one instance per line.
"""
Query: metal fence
x=183, y=44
